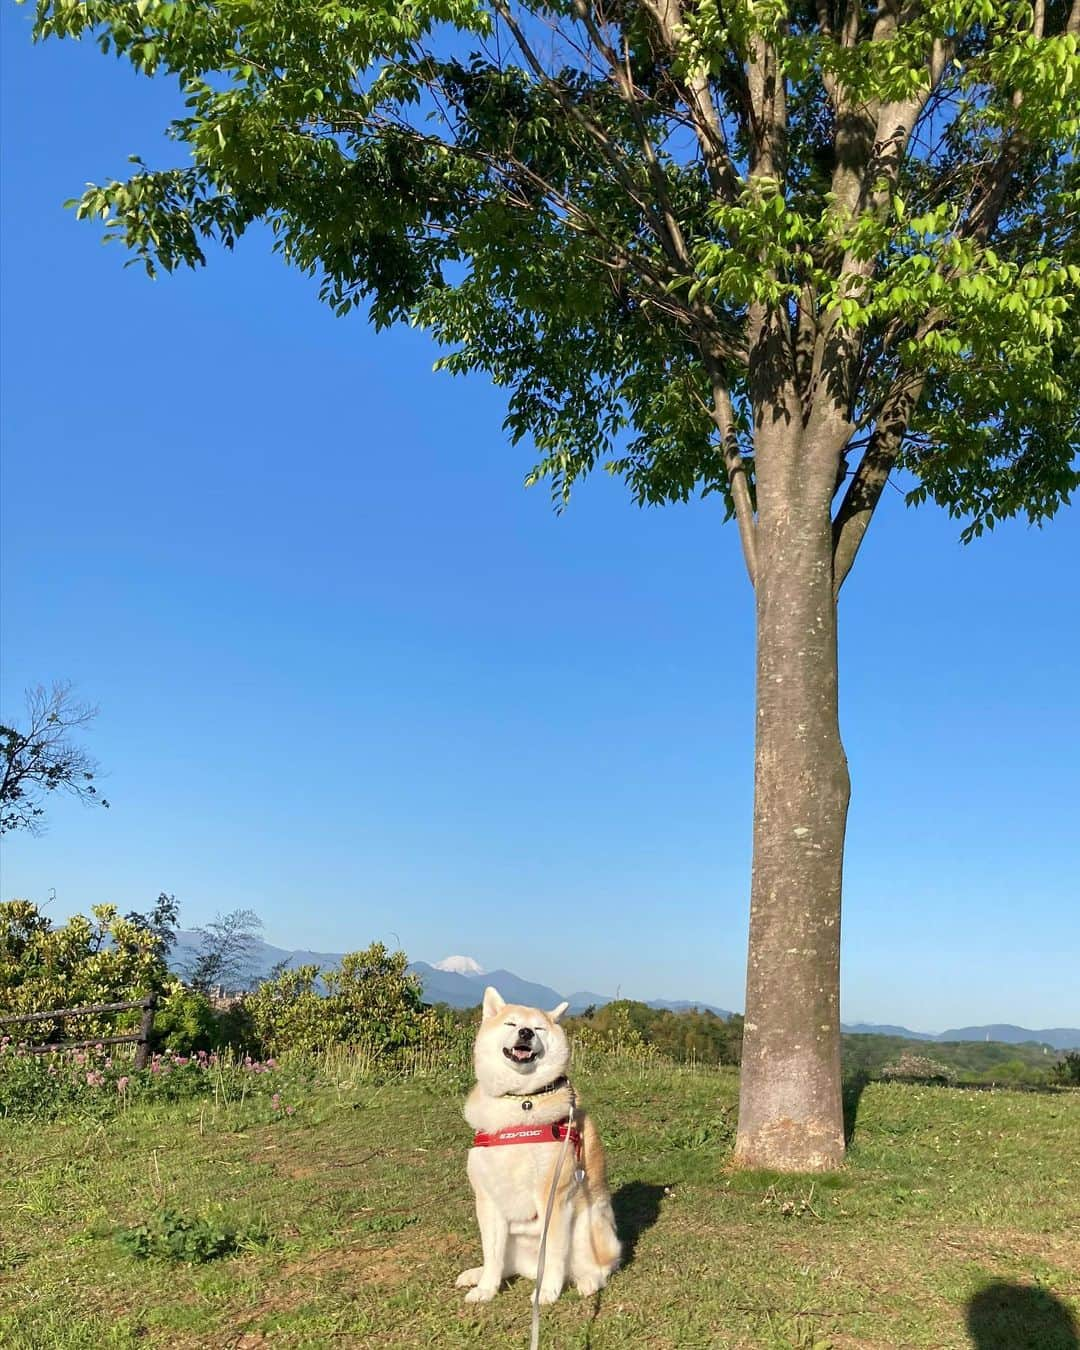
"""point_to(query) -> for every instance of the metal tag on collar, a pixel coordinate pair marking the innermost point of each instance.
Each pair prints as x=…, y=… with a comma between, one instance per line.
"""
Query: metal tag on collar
x=579, y=1174
x=526, y=1105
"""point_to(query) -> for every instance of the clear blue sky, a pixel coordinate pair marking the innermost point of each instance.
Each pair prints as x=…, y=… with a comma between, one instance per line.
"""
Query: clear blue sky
x=353, y=675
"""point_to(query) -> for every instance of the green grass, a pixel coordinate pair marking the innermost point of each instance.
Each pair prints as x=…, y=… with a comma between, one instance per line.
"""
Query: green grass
x=362, y=1217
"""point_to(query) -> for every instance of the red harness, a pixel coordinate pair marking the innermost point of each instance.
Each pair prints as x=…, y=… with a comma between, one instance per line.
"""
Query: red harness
x=552, y=1133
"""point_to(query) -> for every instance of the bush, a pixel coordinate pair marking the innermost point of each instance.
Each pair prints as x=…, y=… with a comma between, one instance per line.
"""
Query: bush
x=1067, y=1070
x=186, y=1022
x=369, y=1001
x=686, y=1036
x=100, y=958
x=911, y=1068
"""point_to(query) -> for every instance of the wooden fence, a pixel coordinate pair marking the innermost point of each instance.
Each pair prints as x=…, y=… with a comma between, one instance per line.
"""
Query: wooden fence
x=140, y=1038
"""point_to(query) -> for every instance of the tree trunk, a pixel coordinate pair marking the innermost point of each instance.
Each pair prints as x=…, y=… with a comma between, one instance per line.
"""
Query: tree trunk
x=790, y=1108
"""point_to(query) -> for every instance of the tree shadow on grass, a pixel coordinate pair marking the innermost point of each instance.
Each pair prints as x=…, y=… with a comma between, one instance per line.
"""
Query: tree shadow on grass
x=637, y=1207
x=1007, y=1316
x=852, y=1093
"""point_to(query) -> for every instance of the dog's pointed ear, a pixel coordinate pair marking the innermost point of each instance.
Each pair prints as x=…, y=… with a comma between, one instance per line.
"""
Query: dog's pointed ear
x=556, y=1013
x=494, y=1002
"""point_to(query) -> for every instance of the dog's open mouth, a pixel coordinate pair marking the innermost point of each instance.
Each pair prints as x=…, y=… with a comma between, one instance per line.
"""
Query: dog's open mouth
x=520, y=1054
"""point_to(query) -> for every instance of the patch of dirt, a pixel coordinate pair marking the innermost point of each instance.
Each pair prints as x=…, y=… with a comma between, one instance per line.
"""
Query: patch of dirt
x=384, y=1263
x=1059, y=1249
x=841, y=1342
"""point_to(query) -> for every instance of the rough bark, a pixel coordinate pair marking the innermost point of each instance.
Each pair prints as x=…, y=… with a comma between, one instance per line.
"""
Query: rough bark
x=790, y=1110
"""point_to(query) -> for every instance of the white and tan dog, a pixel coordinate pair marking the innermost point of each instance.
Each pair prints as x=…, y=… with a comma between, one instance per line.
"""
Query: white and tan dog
x=519, y=1108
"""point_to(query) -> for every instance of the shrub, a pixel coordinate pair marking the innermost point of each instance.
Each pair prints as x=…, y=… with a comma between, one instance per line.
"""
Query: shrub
x=369, y=1001
x=689, y=1035
x=100, y=958
x=1067, y=1070
x=911, y=1068
x=186, y=1022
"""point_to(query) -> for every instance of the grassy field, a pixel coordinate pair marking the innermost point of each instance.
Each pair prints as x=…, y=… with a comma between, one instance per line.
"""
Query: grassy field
x=955, y=1223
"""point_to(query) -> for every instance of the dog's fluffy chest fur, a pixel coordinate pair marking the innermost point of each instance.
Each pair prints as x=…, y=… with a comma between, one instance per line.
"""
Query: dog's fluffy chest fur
x=513, y=1176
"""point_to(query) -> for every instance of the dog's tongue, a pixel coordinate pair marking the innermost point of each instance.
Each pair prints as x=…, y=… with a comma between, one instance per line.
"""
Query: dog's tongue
x=520, y=1053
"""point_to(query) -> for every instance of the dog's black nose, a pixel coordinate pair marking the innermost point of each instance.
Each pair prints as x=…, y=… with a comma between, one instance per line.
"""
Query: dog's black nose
x=525, y=1034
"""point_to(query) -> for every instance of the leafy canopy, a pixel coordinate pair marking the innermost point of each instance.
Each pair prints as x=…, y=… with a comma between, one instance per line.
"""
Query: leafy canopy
x=609, y=206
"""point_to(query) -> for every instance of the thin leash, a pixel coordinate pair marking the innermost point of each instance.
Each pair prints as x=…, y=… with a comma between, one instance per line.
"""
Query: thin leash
x=534, y=1338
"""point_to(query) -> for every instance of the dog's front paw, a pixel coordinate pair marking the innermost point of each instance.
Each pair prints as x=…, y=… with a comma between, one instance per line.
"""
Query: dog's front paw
x=468, y=1278
x=589, y=1284
x=549, y=1293
x=483, y=1293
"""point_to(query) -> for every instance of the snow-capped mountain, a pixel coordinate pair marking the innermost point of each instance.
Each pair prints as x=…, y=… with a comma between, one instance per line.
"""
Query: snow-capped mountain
x=459, y=965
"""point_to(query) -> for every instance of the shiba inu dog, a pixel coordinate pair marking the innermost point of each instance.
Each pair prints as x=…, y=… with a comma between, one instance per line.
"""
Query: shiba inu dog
x=521, y=1109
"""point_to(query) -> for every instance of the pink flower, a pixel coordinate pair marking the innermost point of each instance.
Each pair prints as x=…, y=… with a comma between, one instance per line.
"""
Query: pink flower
x=275, y=1101
x=95, y=1079
x=290, y=1110
x=121, y=1083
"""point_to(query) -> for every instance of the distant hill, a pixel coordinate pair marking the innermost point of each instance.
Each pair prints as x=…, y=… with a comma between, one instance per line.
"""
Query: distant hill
x=873, y=1029
x=467, y=991
x=973, y=1061
x=684, y=1005
x=1059, y=1038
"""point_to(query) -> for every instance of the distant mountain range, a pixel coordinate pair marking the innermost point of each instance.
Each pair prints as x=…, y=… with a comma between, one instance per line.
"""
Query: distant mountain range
x=460, y=982
x=1058, y=1038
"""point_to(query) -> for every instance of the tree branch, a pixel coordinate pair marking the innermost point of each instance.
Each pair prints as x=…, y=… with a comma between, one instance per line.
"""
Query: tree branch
x=869, y=479
x=592, y=129
x=625, y=85
x=724, y=417
x=694, y=91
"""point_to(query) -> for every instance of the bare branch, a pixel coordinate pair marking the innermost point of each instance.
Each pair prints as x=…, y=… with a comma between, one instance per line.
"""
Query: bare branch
x=42, y=759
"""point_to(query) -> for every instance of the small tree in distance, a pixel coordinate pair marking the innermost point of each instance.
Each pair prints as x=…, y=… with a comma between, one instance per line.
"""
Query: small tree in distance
x=225, y=949
x=42, y=758
x=161, y=922
x=771, y=251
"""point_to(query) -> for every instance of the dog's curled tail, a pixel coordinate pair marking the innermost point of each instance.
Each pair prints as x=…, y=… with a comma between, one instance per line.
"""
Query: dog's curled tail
x=607, y=1249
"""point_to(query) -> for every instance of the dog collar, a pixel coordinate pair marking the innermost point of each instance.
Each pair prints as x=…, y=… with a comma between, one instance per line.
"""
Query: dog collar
x=526, y=1097
x=551, y=1133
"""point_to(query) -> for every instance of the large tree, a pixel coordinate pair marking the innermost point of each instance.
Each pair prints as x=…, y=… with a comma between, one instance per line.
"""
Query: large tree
x=774, y=252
